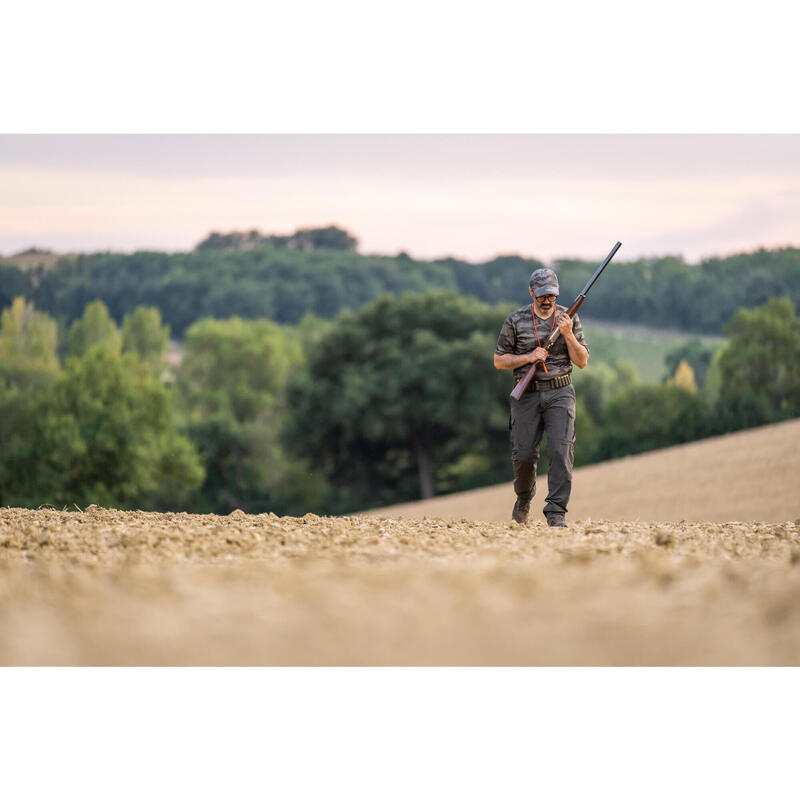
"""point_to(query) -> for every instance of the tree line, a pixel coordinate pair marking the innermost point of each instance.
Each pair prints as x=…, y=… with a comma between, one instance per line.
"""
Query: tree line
x=387, y=403
x=319, y=272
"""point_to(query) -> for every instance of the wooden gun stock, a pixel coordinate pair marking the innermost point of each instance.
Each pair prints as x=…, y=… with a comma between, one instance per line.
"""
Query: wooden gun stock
x=520, y=388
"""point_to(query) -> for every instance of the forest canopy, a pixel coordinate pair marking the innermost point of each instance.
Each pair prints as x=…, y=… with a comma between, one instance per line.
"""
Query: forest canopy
x=315, y=378
x=387, y=404
x=319, y=271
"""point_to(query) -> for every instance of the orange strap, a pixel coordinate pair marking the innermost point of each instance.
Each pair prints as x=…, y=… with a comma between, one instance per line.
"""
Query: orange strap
x=533, y=314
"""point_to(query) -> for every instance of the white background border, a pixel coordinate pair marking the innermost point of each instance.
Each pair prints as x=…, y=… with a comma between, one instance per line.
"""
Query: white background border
x=417, y=66
x=399, y=733
x=621, y=67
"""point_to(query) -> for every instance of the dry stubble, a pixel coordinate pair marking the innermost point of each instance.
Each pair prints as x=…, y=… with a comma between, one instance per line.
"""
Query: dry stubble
x=110, y=587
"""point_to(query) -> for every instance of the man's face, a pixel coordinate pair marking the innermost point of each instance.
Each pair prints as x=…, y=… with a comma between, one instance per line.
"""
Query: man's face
x=545, y=303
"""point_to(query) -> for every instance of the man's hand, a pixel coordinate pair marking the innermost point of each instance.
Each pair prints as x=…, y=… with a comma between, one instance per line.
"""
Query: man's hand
x=565, y=325
x=539, y=354
x=515, y=360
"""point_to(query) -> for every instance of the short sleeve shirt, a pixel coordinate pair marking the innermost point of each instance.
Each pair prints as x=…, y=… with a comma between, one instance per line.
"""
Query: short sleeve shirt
x=517, y=336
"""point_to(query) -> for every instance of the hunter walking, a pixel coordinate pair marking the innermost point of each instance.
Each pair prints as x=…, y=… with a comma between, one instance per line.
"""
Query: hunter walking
x=548, y=403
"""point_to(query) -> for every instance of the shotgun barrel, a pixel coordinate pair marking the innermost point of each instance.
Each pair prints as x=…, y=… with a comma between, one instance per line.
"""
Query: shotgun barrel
x=522, y=385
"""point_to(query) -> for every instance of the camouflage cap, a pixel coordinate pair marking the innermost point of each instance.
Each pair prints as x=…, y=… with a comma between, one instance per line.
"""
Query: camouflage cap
x=544, y=281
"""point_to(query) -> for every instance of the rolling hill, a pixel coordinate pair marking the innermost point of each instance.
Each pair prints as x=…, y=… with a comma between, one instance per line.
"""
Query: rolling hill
x=748, y=475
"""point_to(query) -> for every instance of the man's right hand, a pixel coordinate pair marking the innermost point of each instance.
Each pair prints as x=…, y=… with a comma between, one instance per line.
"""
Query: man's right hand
x=539, y=354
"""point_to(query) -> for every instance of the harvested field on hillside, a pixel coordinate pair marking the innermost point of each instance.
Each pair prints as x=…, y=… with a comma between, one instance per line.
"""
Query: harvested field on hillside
x=751, y=475
x=109, y=587
x=27, y=261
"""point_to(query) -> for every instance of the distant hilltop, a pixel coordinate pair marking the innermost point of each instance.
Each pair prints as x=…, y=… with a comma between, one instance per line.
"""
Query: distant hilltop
x=34, y=257
x=335, y=238
x=319, y=271
x=305, y=239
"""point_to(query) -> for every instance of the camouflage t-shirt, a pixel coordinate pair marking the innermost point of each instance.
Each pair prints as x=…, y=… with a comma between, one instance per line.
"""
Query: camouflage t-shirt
x=517, y=336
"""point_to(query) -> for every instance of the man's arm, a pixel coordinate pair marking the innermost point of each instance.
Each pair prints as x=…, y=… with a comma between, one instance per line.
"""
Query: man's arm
x=514, y=360
x=577, y=352
x=504, y=355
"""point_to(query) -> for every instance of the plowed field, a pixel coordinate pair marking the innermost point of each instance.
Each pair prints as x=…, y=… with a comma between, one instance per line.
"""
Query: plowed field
x=109, y=587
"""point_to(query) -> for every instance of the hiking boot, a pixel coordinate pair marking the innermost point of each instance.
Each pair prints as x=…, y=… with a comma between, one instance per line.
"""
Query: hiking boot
x=520, y=512
x=557, y=521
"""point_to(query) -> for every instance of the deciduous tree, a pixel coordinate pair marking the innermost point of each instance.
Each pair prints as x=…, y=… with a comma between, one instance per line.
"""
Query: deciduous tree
x=760, y=365
x=94, y=328
x=400, y=391
x=144, y=335
x=231, y=382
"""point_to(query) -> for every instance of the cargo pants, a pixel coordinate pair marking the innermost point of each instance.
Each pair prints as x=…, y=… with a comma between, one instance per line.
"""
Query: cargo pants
x=551, y=411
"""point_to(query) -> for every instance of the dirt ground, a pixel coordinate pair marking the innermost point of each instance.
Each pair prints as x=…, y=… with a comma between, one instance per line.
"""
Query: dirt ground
x=107, y=587
x=751, y=475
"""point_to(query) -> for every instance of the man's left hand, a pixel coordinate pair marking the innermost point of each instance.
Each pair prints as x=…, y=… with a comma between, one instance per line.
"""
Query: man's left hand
x=565, y=324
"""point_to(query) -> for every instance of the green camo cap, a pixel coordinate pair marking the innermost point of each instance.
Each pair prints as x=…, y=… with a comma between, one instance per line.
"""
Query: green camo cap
x=544, y=281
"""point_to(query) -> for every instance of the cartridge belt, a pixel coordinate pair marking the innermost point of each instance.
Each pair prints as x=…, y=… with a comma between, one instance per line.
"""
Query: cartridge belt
x=552, y=383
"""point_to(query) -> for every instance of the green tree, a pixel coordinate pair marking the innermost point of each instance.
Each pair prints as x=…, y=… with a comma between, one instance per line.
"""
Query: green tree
x=30, y=463
x=760, y=365
x=123, y=425
x=28, y=341
x=14, y=282
x=600, y=383
x=596, y=388
x=95, y=327
x=231, y=382
x=649, y=417
x=307, y=239
x=282, y=278
x=103, y=430
x=332, y=238
x=40, y=446
x=144, y=335
x=713, y=382
x=394, y=396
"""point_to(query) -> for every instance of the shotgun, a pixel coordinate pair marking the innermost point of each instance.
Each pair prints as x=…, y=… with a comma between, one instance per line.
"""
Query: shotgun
x=520, y=388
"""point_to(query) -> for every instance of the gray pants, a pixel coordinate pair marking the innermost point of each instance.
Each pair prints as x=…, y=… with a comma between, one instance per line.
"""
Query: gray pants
x=551, y=411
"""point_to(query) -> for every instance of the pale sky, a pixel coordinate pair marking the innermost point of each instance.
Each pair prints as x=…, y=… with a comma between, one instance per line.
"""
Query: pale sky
x=469, y=196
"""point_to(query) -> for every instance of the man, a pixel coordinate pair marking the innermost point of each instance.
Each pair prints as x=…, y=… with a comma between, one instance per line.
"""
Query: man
x=548, y=404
